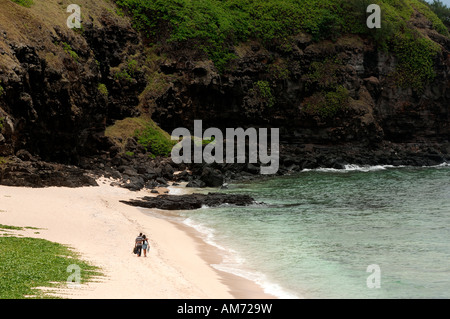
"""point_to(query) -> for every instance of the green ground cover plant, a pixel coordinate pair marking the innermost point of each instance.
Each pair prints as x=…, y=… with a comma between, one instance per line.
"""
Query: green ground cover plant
x=27, y=263
x=25, y=3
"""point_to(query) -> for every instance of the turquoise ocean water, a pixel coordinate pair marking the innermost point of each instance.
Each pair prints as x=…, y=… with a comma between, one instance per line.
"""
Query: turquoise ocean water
x=317, y=232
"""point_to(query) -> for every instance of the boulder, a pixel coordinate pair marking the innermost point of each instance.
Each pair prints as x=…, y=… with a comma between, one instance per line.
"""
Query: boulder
x=212, y=177
x=196, y=183
x=191, y=201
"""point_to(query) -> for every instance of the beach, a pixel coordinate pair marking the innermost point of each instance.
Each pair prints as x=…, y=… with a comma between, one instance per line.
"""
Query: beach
x=93, y=222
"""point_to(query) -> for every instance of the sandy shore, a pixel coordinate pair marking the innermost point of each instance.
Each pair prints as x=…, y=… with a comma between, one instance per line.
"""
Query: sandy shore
x=93, y=222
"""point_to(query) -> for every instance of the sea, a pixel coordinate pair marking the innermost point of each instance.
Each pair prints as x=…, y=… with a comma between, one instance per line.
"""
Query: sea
x=360, y=232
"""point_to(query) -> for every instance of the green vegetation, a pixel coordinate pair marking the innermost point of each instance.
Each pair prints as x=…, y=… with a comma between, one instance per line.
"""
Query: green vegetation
x=278, y=71
x=157, y=82
x=103, y=89
x=414, y=51
x=31, y=262
x=207, y=141
x=3, y=161
x=263, y=92
x=124, y=129
x=215, y=26
x=323, y=73
x=25, y=3
x=415, y=55
x=441, y=11
x=146, y=132
x=2, y=90
x=10, y=227
x=327, y=104
x=118, y=11
x=68, y=49
x=2, y=123
x=329, y=96
x=128, y=72
x=132, y=67
x=123, y=75
x=155, y=140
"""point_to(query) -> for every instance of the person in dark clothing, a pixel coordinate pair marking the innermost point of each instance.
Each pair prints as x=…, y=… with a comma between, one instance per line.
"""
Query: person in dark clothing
x=138, y=244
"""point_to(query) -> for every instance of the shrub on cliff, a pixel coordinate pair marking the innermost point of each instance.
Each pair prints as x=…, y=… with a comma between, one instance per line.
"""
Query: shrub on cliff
x=145, y=131
x=155, y=140
x=327, y=104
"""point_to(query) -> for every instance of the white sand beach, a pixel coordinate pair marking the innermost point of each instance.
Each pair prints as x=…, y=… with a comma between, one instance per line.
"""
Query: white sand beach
x=94, y=223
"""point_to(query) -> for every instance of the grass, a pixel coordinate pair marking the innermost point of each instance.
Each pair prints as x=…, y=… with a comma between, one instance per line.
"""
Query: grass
x=148, y=134
x=10, y=227
x=27, y=263
x=15, y=227
x=25, y=3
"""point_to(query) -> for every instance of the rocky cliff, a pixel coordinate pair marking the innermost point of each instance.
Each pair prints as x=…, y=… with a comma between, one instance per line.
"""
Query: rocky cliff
x=336, y=101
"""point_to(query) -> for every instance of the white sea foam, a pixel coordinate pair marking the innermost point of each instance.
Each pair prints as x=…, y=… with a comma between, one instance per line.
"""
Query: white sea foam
x=177, y=190
x=445, y=164
x=234, y=264
x=259, y=278
x=206, y=232
x=368, y=168
x=353, y=168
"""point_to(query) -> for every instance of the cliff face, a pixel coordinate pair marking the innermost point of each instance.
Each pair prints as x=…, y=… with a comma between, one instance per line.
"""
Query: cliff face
x=57, y=91
x=335, y=102
x=377, y=108
x=340, y=99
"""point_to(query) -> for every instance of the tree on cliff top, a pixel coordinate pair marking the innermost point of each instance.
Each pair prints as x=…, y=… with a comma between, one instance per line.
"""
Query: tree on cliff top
x=441, y=10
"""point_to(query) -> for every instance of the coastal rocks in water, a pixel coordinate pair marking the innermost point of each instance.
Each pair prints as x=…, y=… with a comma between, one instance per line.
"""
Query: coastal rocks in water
x=212, y=177
x=196, y=183
x=191, y=201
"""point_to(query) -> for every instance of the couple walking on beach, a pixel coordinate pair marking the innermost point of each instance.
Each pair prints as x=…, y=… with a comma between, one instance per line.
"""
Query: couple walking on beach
x=141, y=244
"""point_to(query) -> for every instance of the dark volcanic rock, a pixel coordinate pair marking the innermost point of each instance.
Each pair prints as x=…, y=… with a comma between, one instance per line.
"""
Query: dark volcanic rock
x=60, y=89
x=190, y=201
x=212, y=177
x=43, y=174
x=196, y=183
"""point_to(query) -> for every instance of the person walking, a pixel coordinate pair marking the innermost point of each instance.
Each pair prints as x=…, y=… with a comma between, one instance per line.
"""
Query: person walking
x=138, y=244
x=145, y=245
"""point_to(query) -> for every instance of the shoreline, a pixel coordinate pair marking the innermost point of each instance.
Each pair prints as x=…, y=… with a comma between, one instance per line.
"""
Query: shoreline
x=93, y=222
x=240, y=287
